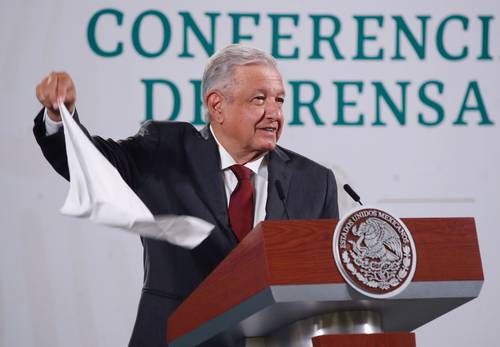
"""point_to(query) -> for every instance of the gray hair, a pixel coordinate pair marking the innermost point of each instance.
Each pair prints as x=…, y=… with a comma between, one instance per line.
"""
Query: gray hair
x=220, y=67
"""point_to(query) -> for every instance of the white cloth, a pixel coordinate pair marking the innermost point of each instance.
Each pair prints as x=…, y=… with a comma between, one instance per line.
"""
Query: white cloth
x=259, y=180
x=98, y=191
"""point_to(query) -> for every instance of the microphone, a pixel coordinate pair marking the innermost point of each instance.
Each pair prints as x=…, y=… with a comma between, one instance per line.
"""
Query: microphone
x=281, y=195
x=352, y=194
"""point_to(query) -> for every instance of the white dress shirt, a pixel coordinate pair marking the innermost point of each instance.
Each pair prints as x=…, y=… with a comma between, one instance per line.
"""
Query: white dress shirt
x=259, y=180
x=258, y=167
x=51, y=127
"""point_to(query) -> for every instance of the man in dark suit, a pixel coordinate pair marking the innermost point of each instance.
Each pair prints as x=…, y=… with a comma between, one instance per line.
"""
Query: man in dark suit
x=231, y=174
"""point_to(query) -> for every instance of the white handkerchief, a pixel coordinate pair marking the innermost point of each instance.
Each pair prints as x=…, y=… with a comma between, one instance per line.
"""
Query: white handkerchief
x=97, y=190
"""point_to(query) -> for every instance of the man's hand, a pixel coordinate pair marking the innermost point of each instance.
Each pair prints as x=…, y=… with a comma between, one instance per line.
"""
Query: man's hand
x=57, y=86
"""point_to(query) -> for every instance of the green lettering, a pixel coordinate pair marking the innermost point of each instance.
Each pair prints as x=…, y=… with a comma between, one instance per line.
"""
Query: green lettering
x=402, y=29
x=485, y=35
x=381, y=93
x=176, y=98
x=189, y=23
x=440, y=38
x=362, y=38
x=431, y=103
x=136, y=38
x=473, y=90
x=236, y=17
x=91, y=33
x=330, y=39
x=198, y=103
x=277, y=36
x=298, y=103
x=342, y=103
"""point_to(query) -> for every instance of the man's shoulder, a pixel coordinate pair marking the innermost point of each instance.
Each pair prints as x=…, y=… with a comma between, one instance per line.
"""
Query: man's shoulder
x=168, y=125
x=168, y=128
x=298, y=161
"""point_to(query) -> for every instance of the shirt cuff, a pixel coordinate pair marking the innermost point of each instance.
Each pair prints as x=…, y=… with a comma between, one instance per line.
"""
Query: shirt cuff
x=51, y=126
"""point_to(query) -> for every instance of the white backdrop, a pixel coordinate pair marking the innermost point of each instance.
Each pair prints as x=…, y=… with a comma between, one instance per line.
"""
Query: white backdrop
x=65, y=282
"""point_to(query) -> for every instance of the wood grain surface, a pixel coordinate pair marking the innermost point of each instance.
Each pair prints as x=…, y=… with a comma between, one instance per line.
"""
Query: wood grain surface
x=239, y=276
x=366, y=340
x=300, y=252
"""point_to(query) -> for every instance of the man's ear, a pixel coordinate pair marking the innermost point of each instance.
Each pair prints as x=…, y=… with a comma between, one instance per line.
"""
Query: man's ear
x=214, y=101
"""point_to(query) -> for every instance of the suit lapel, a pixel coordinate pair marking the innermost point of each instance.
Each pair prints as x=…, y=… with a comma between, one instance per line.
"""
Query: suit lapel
x=204, y=161
x=278, y=171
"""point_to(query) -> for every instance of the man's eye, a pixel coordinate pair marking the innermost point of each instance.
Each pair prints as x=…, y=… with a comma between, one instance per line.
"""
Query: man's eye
x=280, y=100
x=259, y=99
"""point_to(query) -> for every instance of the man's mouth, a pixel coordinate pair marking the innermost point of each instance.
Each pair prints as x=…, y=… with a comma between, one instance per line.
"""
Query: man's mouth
x=269, y=129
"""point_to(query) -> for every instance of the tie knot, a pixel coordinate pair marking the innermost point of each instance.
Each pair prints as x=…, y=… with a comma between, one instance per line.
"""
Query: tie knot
x=241, y=172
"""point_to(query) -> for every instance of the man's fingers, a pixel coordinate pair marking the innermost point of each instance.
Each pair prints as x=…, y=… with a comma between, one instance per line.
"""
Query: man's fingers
x=64, y=87
x=71, y=98
x=65, y=90
x=52, y=90
x=71, y=94
x=42, y=93
x=56, y=87
x=39, y=94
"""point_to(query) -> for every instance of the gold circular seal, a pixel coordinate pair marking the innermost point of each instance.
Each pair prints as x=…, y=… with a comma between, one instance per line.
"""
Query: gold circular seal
x=374, y=252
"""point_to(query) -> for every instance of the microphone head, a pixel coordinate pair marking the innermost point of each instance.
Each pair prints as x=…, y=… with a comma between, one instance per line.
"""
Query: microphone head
x=351, y=193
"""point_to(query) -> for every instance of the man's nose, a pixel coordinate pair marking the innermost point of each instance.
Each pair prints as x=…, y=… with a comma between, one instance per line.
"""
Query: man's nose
x=273, y=109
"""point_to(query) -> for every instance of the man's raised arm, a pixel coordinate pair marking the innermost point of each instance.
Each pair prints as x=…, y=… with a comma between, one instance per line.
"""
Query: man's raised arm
x=132, y=157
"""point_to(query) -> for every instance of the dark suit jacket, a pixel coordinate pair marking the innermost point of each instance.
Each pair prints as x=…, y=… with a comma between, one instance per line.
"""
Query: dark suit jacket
x=175, y=169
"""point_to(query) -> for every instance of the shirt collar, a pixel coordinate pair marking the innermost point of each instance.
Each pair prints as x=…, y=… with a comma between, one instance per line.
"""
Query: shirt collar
x=227, y=161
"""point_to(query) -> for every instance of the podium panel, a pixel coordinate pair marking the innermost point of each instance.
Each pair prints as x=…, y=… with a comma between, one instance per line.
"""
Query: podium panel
x=284, y=272
x=366, y=340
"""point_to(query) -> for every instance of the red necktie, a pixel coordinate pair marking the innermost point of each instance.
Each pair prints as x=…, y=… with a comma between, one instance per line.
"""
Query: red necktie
x=241, y=204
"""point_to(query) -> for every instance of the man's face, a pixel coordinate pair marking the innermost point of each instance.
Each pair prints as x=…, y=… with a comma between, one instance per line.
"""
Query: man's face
x=250, y=119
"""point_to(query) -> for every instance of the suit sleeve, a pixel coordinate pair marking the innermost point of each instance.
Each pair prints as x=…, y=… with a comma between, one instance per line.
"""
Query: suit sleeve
x=331, y=207
x=132, y=157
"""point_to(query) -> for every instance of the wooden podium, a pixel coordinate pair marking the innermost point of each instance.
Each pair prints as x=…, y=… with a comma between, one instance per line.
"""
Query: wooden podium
x=281, y=287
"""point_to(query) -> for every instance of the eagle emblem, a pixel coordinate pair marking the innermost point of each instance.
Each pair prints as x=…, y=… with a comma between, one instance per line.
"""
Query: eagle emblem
x=380, y=241
x=374, y=252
